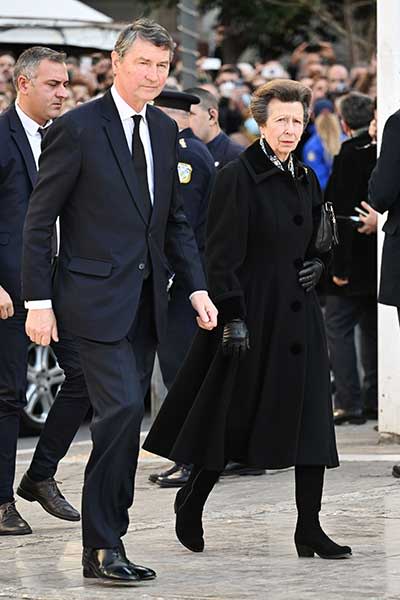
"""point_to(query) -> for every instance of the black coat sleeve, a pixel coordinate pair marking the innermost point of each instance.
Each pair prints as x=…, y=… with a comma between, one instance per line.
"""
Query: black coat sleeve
x=59, y=168
x=226, y=246
x=384, y=184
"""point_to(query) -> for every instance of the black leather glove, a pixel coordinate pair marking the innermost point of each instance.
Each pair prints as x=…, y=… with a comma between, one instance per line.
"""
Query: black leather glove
x=235, y=339
x=310, y=273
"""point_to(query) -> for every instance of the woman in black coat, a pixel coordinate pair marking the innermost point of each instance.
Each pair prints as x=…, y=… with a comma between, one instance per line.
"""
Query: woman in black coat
x=256, y=389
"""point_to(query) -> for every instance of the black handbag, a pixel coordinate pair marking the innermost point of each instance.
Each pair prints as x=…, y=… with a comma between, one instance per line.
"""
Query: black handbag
x=327, y=233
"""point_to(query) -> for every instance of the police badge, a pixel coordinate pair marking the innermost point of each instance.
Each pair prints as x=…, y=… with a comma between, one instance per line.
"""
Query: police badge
x=185, y=172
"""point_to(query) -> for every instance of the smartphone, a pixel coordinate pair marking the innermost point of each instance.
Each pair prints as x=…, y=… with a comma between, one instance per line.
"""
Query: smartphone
x=360, y=211
x=211, y=64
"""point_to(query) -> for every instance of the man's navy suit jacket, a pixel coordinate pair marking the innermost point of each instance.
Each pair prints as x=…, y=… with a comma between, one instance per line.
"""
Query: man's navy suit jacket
x=87, y=178
x=17, y=177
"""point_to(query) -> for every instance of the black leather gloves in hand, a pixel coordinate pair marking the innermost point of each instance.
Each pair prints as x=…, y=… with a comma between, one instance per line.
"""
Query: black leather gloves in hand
x=310, y=273
x=235, y=339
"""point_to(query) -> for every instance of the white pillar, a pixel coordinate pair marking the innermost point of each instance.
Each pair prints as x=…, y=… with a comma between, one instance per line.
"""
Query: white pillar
x=388, y=15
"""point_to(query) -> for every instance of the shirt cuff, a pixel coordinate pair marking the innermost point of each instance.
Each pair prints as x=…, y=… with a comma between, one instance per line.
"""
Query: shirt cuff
x=197, y=292
x=37, y=304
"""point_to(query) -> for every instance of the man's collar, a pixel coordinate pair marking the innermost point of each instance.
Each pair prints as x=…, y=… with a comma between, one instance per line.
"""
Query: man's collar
x=124, y=110
x=30, y=126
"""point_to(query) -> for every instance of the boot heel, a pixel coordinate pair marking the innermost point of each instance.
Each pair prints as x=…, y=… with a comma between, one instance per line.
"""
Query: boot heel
x=88, y=573
x=304, y=551
x=25, y=495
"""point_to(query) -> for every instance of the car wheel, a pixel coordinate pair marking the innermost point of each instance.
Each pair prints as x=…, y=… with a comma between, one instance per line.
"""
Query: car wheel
x=45, y=377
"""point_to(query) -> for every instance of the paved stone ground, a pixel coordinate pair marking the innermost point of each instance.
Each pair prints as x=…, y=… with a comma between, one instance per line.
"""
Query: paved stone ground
x=249, y=526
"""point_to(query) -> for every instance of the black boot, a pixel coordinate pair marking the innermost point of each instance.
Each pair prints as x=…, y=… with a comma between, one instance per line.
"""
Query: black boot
x=189, y=503
x=309, y=537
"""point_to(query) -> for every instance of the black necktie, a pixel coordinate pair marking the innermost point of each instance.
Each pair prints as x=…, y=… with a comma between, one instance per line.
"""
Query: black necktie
x=42, y=132
x=139, y=161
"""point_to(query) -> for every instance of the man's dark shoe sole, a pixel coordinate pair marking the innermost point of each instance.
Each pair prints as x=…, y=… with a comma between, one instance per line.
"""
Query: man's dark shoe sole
x=245, y=471
x=18, y=532
x=31, y=498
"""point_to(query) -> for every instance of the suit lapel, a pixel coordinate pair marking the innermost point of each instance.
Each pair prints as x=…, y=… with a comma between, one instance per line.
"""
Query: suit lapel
x=19, y=136
x=158, y=147
x=116, y=136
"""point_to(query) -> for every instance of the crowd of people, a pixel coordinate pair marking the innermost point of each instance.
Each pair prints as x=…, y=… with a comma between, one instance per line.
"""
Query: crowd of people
x=254, y=391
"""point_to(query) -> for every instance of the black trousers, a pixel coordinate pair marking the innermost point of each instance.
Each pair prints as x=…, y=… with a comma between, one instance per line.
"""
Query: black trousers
x=118, y=376
x=67, y=413
x=13, y=365
x=342, y=314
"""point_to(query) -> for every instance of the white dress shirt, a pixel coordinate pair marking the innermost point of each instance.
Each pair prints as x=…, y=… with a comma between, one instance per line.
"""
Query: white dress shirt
x=126, y=113
x=32, y=133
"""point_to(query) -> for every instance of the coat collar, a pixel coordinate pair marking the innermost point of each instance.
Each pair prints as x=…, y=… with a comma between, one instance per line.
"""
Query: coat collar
x=260, y=167
x=21, y=140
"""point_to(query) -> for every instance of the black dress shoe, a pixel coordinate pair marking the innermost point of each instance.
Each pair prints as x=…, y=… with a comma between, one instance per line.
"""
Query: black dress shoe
x=154, y=476
x=144, y=572
x=11, y=522
x=340, y=416
x=235, y=468
x=176, y=479
x=49, y=497
x=108, y=565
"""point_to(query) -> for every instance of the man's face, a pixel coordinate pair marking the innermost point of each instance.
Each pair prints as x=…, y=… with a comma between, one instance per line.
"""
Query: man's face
x=42, y=96
x=338, y=77
x=141, y=74
x=200, y=122
x=7, y=63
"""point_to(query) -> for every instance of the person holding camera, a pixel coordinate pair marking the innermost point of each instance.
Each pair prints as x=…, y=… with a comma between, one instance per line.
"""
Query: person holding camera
x=257, y=389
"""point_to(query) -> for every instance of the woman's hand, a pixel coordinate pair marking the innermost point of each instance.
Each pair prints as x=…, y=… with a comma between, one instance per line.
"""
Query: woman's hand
x=235, y=339
x=310, y=274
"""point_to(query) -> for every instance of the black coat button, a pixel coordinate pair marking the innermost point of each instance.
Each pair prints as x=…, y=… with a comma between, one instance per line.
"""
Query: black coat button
x=296, y=306
x=298, y=220
x=296, y=348
x=298, y=263
x=141, y=266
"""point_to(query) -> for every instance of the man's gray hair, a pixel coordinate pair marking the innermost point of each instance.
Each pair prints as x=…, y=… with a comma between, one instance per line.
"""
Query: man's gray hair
x=29, y=61
x=147, y=30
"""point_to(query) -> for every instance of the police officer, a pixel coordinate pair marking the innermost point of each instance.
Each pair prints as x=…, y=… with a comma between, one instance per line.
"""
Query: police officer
x=196, y=175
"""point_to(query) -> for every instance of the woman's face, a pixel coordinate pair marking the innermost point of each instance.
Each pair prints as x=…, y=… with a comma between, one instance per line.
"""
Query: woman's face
x=283, y=127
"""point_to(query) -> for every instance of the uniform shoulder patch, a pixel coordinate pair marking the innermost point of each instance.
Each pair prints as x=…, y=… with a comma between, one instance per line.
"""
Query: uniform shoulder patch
x=185, y=172
x=182, y=143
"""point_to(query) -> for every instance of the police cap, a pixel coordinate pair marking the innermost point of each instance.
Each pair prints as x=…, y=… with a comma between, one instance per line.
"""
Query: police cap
x=177, y=100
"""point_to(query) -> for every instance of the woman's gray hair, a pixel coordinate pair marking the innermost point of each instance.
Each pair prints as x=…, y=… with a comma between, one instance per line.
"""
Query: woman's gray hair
x=29, y=61
x=284, y=90
x=147, y=30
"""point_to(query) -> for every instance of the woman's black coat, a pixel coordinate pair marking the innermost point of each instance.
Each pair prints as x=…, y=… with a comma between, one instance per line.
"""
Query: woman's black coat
x=272, y=409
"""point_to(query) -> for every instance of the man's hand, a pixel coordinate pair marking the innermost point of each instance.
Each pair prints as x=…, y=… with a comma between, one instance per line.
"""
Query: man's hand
x=6, y=304
x=339, y=281
x=207, y=312
x=370, y=221
x=41, y=326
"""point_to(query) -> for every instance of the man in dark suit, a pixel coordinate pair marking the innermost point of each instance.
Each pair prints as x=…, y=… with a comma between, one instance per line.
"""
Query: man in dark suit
x=384, y=195
x=40, y=77
x=108, y=170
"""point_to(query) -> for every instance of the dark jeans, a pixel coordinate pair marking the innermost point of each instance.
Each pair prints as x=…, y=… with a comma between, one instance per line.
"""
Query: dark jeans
x=13, y=365
x=342, y=314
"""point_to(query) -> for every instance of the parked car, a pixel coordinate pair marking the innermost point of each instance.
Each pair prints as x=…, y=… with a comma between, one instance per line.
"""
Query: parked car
x=45, y=377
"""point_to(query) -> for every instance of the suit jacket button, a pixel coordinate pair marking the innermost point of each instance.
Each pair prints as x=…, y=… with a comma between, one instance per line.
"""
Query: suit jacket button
x=296, y=348
x=141, y=266
x=298, y=220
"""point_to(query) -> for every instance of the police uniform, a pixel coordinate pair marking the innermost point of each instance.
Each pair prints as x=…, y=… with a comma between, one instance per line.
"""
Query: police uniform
x=196, y=173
